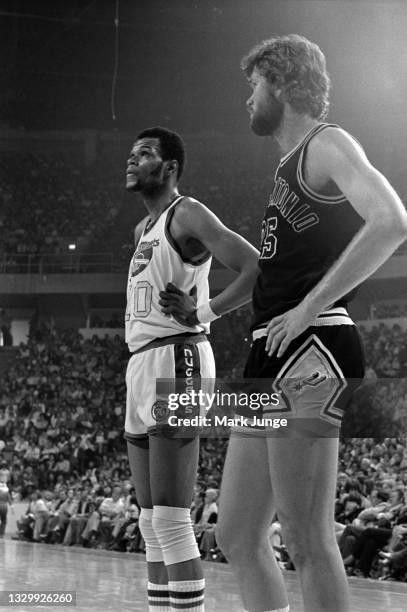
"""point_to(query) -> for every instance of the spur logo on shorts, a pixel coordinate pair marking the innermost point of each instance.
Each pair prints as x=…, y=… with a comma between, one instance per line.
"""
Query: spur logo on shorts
x=142, y=256
x=160, y=411
x=311, y=381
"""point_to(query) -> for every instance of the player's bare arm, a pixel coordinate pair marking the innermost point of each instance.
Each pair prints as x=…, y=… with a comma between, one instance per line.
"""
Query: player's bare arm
x=192, y=220
x=335, y=156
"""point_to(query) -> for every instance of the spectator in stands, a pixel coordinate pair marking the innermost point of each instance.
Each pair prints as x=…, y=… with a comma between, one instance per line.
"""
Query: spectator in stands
x=58, y=497
x=39, y=511
x=62, y=516
x=205, y=519
x=90, y=533
x=78, y=520
x=25, y=523
x=4, y=472
x=111, y=510
x=3, y=421
x=6, y=339
x=372, y=539
x=349, y=535
x=126, y=528
x=5, y=501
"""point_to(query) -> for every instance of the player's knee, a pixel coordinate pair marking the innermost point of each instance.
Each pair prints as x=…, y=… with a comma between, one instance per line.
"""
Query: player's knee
x=307, y=542
x=153, y=548
x=173, y=527
x=237, y=543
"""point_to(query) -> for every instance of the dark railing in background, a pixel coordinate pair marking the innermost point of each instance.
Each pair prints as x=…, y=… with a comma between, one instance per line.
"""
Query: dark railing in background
x=52, y=263
x=75, y=263
x=80, y=263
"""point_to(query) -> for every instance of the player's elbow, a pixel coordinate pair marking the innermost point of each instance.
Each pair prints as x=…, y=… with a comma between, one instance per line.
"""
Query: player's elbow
x=403, y=225
x=398, y=226
x=251, y=268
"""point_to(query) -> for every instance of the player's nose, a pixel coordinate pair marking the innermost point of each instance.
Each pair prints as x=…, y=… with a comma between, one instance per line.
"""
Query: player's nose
x=132, y=160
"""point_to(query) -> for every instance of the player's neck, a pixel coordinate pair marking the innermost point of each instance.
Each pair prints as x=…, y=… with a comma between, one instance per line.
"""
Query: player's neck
x=292, y=130
x=155, y=204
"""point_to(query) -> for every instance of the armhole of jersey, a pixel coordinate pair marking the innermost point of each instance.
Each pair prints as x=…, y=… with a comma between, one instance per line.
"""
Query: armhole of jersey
x=174, y=244
x=310, y=193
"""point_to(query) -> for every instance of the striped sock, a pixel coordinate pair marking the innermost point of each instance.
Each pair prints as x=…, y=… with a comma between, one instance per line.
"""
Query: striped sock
x=187, y=595
x=158, y=598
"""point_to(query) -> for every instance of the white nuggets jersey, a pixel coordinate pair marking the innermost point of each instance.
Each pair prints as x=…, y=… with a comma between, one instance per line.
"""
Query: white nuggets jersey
x=156, y=262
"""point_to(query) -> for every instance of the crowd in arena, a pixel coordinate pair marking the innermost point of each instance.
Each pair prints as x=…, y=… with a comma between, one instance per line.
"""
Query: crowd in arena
x=47, y=198
x=389, y=310
x=62, y=450
x=114, y=321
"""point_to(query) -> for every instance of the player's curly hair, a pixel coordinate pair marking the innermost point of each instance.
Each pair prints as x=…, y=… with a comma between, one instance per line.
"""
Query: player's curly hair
x=299, y=65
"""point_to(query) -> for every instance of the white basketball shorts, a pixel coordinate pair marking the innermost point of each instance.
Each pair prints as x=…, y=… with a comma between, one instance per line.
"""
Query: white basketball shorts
x=185, y=362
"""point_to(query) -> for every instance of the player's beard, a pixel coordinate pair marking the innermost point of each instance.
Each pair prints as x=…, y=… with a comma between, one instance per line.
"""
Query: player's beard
x=264, y=122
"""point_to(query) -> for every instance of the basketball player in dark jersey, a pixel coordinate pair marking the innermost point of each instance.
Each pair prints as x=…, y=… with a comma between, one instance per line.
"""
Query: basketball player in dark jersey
x=330, y=222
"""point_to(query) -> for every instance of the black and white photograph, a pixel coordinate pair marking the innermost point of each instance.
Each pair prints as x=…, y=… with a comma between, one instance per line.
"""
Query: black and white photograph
x=203, y=305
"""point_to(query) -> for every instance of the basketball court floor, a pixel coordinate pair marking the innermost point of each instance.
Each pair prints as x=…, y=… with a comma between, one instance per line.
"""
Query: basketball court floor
x=104, y=580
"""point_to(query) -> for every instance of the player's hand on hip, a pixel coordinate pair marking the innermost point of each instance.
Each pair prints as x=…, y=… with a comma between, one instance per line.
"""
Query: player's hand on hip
x=181, y=305
x=282, y=330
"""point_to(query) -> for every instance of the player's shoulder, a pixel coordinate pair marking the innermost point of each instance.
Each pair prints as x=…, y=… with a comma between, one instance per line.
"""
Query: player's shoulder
x=190, y=207
x=189, y=203
x=194, y=218
x=333, y=137
x=333, y=143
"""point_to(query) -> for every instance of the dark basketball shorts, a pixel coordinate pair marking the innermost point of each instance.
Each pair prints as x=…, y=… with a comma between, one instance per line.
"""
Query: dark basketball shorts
x=315, y=380
x=182, y=361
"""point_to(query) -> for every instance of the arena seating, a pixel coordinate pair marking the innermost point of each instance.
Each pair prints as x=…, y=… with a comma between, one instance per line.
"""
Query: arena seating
x=61, y=416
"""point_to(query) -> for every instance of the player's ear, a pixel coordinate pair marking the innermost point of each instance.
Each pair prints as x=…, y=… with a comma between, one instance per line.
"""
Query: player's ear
x=278, y=89
x=172, y=167
x=278, y=94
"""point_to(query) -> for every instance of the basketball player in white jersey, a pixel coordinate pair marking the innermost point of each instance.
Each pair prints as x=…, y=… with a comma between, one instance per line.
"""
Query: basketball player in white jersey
x=330, y=222
x=174, y=245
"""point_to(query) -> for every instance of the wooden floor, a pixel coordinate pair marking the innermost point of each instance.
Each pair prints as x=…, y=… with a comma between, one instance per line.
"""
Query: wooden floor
x=116, y=581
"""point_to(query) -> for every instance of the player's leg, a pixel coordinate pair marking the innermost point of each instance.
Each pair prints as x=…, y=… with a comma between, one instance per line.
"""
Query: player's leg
x=139, y=458
x=245, y=515
x=303, y=476
x=141, y=394
x=173, y=468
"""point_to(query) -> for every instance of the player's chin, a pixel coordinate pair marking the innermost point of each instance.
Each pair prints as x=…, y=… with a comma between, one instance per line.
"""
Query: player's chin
x=261, y=127
x=132, y=185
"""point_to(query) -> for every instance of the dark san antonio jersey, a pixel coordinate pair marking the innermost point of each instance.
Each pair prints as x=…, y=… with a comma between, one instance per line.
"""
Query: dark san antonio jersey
x=303, y=233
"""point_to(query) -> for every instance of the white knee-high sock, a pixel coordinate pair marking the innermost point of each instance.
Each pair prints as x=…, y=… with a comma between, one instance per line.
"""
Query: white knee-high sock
x=187, y=595
x=158, y=598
